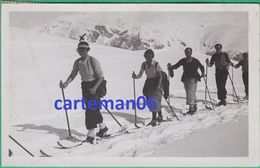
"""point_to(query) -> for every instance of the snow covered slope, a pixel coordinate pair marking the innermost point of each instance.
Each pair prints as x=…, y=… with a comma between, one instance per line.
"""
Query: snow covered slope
x=133, y=31
x=39, y=62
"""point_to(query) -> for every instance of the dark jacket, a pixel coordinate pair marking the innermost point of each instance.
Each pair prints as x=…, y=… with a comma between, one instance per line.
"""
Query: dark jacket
x=244, y=64
x=221, y=60
x=190, y=70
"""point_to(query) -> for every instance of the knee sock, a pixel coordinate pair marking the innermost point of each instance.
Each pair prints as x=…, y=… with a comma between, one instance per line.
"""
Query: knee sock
x=154, y=116
x=160, y=113
x=91, y=132
x=102, y=125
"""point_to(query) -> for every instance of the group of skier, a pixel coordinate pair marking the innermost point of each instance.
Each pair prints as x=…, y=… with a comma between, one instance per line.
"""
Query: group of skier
x=92, y=76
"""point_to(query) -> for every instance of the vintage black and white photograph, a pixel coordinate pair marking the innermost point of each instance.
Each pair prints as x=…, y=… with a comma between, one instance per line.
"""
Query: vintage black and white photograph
x=159, y=83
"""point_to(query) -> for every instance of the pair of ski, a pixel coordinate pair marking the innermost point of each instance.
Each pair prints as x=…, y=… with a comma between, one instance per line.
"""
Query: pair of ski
x=43, y=154
x=235, y=101
x=98, y=139
x=159, y=122
x=63, y=146
x=106, y=137
x=241, y=100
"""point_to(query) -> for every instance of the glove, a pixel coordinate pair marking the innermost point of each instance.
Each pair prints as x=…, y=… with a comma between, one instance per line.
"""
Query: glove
x=227, y=67
x=63, y=85
x=170, y=70
x=207, y=61
x=203, y=75
x=165, y=96
x=134, y=75
x=169, y=66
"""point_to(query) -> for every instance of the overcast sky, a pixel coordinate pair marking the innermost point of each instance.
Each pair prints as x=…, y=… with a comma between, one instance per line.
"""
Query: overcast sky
x=31, y=19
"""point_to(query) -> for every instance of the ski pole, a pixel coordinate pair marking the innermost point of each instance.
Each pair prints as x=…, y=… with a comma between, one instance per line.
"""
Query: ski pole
x=123, y=128
x=135, y=102
x=170, y=75
x=63, y=95
x=206, y=83
x=233, y=87
x=170, y=107
x=21, y=146
x=232, y=75
x=206, y=86
x=169, y=98
x=10, y=153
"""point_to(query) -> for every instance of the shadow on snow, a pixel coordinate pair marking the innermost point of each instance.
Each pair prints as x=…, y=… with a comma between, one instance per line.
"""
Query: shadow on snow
x=61, y=133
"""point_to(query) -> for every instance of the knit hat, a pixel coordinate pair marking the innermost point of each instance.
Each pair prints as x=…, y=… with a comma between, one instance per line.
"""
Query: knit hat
x=83, y=44
x=218, y=46
x=188, y=48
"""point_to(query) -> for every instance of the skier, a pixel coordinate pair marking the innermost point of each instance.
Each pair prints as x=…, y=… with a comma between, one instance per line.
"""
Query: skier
x=222, y=62
x=91, y=76
x=190, y=77
x=244, y=64
x=153, y=83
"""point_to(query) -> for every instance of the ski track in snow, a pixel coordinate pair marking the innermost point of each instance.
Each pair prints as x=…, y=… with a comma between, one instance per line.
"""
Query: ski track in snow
x=37, y=125
x=140, y=140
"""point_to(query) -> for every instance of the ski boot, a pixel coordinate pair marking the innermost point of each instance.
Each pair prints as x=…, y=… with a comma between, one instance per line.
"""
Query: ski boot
x=102, y=132
x=191, y=110
x=154, y=119
x=160, y=118
x=90, y=140
x=153, y=123
x=195, y=107
x=222, y=102
x=245, y=98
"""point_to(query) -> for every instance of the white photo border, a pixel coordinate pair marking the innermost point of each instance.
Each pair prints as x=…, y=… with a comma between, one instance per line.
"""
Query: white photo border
x=254, y=117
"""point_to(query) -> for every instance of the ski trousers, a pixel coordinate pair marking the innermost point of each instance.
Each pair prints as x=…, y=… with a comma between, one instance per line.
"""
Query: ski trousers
x=221, y=80
x=92, y=117
x=245, y=80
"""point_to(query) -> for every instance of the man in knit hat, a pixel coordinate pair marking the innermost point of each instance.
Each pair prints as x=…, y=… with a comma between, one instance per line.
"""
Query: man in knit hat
x=91, y=76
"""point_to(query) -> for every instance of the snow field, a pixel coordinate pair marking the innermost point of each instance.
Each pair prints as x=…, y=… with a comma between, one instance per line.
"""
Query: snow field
x=39, y=62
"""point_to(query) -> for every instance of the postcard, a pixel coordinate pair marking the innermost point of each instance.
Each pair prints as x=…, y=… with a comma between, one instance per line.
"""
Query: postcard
x=130, y=85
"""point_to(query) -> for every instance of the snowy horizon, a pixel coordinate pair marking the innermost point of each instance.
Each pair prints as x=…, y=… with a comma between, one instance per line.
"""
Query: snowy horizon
x=30, y=20
x=40, y=61
x=142, y=30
